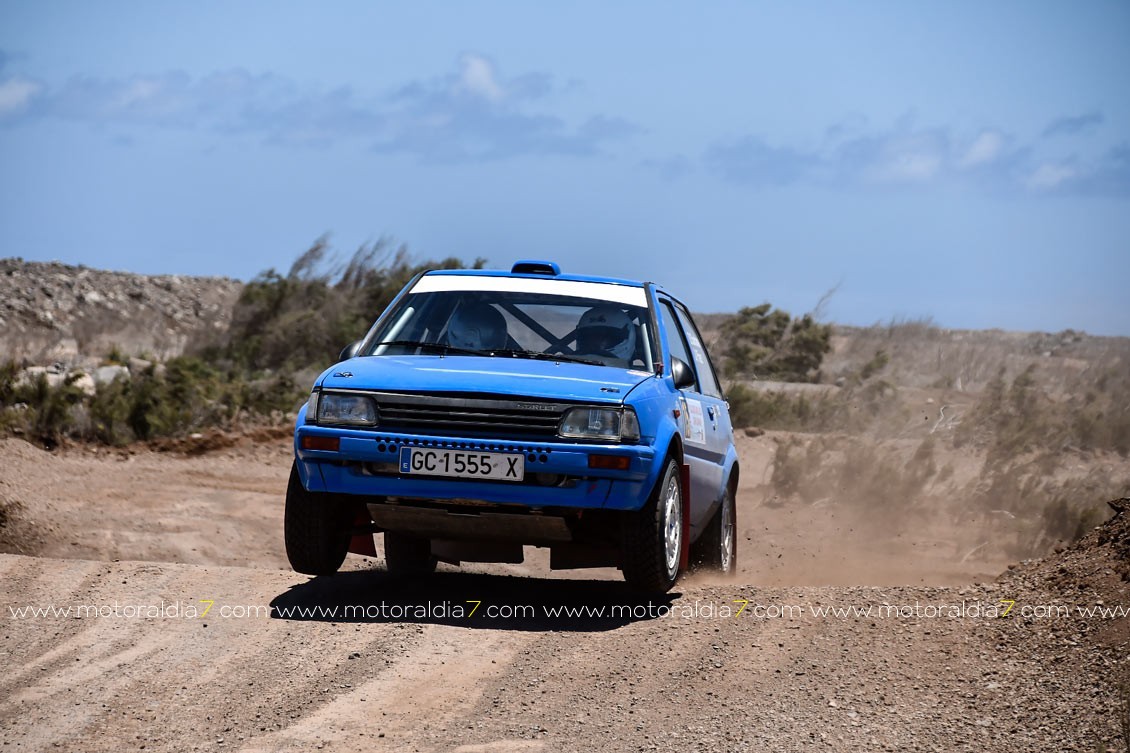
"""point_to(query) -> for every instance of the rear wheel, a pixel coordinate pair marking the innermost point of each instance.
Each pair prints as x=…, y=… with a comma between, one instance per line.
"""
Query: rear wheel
x=717, y=549
x=316, y=528
x=408, y=555
x=653, y=537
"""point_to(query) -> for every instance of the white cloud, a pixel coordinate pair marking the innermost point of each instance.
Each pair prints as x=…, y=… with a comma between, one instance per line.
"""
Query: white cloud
x=907, y=156
x=902, y=155
x=137, y=92
x=1049, y=176
x=475, y=113
x=15, y=94
x=910, y=167
x=470, y=113
x=477, y=77
x=984, y=149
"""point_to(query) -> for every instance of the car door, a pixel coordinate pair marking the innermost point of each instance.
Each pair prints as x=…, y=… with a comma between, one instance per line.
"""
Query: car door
x=720, y=435
x=700, y=423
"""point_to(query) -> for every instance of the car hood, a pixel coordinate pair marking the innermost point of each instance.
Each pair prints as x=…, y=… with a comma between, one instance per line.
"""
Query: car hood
x=521, y=377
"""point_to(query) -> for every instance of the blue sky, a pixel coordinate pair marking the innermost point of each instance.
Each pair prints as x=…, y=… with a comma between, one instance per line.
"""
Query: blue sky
x=964, y=161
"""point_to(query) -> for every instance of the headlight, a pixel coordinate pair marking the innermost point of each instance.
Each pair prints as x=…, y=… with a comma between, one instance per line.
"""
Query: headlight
x=335, y=408
x=610, y=424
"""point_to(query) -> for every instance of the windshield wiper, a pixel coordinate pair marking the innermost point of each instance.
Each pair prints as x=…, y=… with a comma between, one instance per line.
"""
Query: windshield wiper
x=539, y=356
x=441, y=347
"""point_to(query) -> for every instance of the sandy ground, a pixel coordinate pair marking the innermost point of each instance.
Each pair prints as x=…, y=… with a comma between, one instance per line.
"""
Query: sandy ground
x=225, y=508
x=152, y=540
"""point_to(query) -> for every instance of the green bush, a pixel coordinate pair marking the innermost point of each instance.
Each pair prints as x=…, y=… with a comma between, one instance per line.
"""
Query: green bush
x=37, y=408
x=767, y=343
x=109, y=413
x=281, y=324
x=769, y=410
x=189, y=396
x=115, y=356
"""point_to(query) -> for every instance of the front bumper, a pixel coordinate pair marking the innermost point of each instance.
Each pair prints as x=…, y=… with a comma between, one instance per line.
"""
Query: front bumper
x=366, y=464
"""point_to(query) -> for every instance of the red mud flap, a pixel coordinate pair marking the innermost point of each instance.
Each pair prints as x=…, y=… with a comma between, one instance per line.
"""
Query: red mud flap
x=363, y=543
x=685, y=555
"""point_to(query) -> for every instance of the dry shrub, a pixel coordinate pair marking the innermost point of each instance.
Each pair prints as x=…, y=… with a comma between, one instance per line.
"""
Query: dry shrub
x=870, y=477
x=1024, y=506
x=305, y=317
x=8, y=510
x=17, y=535
x=1011, y=419
x=1036, y=505
x=923, y=355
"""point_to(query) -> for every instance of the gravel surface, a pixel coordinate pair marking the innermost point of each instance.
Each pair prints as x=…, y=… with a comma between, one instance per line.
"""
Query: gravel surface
x=560, y=663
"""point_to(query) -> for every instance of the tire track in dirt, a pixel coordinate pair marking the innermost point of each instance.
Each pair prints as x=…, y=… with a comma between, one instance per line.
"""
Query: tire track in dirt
x=443, y=674
x=102, y=682
x=697, y=678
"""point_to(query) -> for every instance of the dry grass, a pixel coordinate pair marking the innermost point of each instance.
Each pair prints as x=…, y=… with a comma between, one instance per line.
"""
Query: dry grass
x=1013, y=418
x=1042, y=465
x=923, y=355
x=888, y=481
x=1022, y=506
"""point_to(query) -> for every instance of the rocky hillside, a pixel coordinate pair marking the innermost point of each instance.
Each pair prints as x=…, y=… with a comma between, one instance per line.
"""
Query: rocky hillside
x=52, y=312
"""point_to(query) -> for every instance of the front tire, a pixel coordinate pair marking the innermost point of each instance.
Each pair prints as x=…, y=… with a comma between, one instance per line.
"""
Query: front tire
x=408, y=555
x=653, y=537
x=316, y=528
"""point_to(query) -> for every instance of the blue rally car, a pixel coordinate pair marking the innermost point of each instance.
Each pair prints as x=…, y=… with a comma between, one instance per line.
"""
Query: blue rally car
x=488, y=410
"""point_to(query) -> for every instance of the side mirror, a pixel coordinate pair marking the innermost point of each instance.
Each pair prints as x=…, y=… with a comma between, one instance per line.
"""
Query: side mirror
x=682, y=374
x=349, y=351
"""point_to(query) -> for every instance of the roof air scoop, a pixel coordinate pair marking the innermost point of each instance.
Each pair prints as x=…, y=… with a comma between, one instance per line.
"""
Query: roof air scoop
x=535, y=267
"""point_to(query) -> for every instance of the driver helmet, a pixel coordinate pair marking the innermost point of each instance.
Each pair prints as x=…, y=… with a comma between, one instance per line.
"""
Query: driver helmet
x=477, y=326
x=608, y=331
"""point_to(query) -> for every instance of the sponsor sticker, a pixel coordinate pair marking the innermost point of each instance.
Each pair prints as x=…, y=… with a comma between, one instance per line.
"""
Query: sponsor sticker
x=696, y=425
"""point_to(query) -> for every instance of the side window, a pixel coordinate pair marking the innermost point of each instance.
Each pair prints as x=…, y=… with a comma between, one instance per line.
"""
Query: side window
x=676, y=345
x=702, y=363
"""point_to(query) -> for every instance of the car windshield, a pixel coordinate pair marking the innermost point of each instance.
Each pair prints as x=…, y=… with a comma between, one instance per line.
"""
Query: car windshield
x=500, y=317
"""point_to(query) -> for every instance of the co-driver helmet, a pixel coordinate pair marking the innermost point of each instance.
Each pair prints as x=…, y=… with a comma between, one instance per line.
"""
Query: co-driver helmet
x=477, y=326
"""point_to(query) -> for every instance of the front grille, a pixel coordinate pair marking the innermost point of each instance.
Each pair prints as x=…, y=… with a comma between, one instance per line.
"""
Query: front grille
x=469, y=417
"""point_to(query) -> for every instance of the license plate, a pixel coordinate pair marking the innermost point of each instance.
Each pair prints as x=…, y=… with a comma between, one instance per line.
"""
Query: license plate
x=462, y=464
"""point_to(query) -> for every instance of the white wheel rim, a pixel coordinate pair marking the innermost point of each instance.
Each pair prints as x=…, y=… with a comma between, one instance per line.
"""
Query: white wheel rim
x=727, y=553
x=673, y=526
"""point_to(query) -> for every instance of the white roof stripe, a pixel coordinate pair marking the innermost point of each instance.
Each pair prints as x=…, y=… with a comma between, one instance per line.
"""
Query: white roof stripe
x=601, y=291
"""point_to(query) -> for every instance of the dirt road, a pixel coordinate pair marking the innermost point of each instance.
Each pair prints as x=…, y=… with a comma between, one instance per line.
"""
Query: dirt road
x=514, y=660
